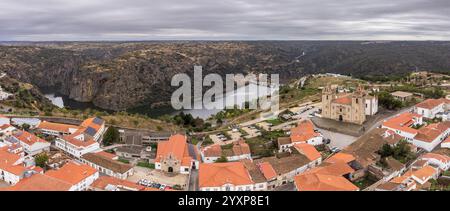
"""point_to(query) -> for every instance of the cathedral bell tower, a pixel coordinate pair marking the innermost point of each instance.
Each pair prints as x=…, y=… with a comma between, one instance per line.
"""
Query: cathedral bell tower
x=327, y=97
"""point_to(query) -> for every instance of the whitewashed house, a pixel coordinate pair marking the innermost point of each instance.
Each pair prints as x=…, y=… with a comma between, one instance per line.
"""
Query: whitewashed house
x=32, y=144
x=431, y=107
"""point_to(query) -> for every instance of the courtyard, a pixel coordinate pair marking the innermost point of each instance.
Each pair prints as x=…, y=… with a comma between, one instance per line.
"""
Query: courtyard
x=160, y=177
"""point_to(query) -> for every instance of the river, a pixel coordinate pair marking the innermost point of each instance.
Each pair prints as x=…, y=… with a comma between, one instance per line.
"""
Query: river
x=238, y=95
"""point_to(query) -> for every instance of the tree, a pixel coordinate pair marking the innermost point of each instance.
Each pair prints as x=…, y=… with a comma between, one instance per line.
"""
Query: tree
x=41, y=160
x=111, y=136
x=222, y=159
x=388, y=101
x=26, y=126
x=386, y=151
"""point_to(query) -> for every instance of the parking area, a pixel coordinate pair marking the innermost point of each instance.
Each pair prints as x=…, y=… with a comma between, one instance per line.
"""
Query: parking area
x=252, y=132
x=338, y=140
x=235, y=135
x=159, y=177
x=218, y=138
x=265, y=126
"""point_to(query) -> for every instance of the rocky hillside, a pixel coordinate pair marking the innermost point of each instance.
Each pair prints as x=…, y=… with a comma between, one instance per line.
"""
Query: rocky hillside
x=119, y=76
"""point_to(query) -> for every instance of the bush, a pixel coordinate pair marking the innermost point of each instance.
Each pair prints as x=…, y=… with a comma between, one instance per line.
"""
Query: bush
x=41, y=160
x=111, y=136
x=146, y=165
x=123, y=160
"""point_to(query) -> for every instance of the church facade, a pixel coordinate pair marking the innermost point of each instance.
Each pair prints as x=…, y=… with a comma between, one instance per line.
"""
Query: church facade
x=348, y=107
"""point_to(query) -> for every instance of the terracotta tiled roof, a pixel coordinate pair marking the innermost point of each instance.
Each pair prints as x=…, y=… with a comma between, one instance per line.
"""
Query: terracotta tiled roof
x=303, y=132
x=327, y=177
x=108, y=163
x=308, y=150
x=219, y=174
x=93, y=122
x=341, y=157
x=402, y=122
x=103, y=181
x=267, y=170
x=403, y=178
x=240, y=148
x=77, y=141
x=107, y=155
x=9, y=162
x=343, y=100
x=57, y=127
x=212, y=151
x=40, y=182
x=425, y=173
x=175, y=146
x=431, y=103
x=72, y=172
x=285, y=165
x=178, y=148
x=338, y=169
x=442, y=158
x=323, y=182
x=28, y=138
x=431, y=132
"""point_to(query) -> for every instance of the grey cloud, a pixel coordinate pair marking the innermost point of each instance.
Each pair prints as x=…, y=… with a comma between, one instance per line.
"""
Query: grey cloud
x=228, y=19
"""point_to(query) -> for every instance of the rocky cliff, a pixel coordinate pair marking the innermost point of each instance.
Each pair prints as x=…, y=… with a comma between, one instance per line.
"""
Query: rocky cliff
x=119, y=76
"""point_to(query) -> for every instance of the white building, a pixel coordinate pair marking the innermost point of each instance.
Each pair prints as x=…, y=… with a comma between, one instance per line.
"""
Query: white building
x=107, y=164
x=77, y=144
x=431, y=107
x=432, y=135
x=14, y=167
x=84, y=140
x=239, y=151
x=402, y=125
x=56, y=129
x=303, y=133
x=32, y=144
x=79, y=176
x=441, y=161
x=371, y=106
x=6, y=130
x=231, y=176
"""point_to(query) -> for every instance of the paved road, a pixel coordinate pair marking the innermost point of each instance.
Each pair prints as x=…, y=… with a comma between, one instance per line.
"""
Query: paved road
x=114, y=146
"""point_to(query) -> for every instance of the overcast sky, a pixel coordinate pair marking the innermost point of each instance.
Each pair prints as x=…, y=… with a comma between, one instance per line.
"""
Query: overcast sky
x=43, y=20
